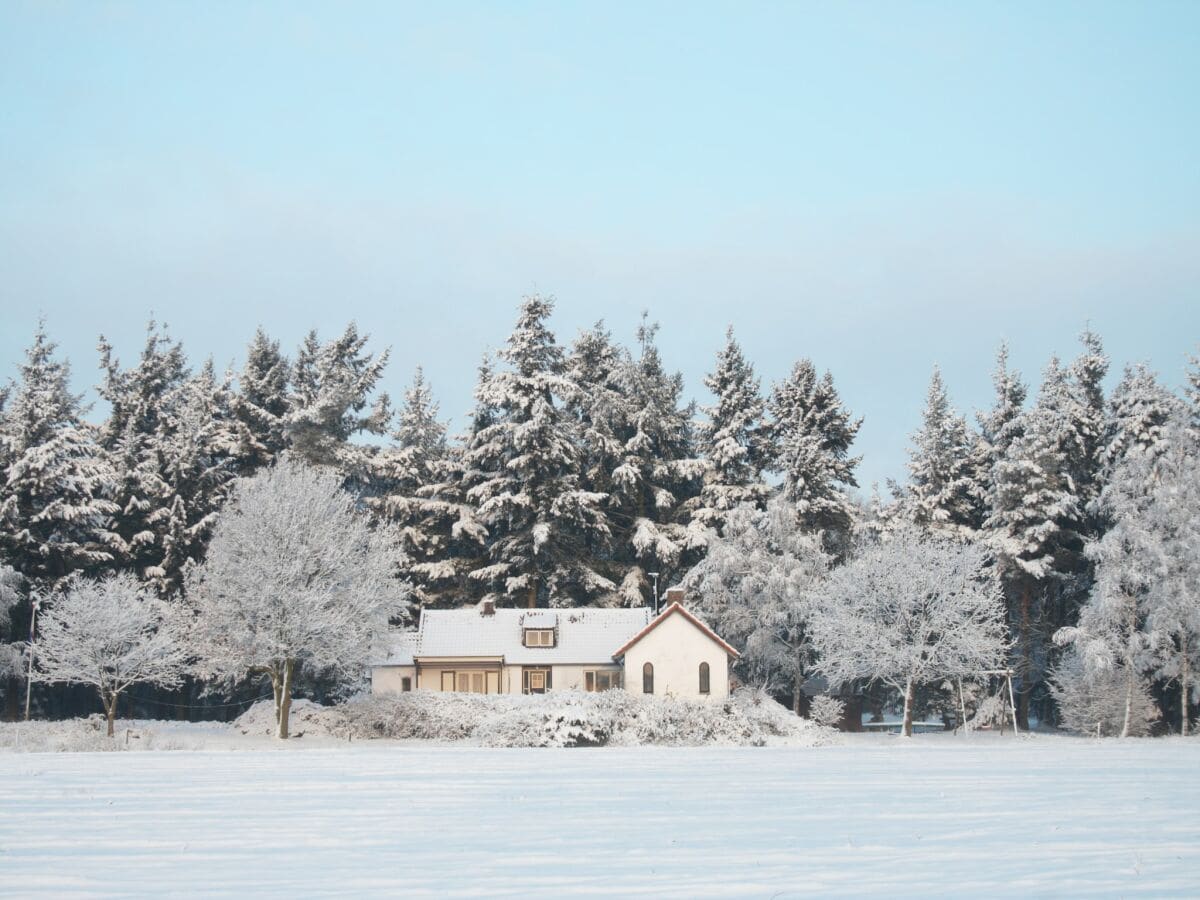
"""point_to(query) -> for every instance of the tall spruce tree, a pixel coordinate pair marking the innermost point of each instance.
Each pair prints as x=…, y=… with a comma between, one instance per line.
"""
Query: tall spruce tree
x=941, y=494
x=328, y=404
x=525, y=469
x=812, y=433
x=734, y=440
x=261, y=403
x=639, y=450
x=660, y=476
x=1032, y=510
x=56, y=487
x=417, y=489
x=198, y=442
x=1085, y=439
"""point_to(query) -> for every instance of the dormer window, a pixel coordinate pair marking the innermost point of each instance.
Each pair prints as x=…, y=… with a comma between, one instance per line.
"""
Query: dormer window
x=539, y=637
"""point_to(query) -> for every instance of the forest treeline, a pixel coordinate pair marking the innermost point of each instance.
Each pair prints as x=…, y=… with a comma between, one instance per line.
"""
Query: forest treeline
x=585, y=477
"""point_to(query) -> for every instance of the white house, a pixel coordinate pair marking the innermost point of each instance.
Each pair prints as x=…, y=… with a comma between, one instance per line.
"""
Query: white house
x=485, y=650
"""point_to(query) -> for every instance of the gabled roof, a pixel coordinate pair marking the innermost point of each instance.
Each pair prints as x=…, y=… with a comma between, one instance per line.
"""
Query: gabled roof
x=583, y=636
x=400, y=648
x=673, y=609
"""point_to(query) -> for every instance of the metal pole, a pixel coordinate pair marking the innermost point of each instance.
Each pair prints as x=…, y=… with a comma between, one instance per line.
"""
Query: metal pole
x=1012, y=699
x=35, y=603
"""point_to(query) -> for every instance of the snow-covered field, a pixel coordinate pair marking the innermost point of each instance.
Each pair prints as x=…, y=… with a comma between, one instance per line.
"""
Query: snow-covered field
x=936, y=814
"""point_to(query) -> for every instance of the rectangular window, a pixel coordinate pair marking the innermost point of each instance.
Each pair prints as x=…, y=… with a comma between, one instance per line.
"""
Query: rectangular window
x=406, y=684
x=601, y=680
x=535, y=681
x=471, y=682
x=539, y=637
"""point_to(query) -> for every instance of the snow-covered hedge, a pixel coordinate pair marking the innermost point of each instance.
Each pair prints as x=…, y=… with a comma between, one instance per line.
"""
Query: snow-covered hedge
x=576, y=719
x=85, y=735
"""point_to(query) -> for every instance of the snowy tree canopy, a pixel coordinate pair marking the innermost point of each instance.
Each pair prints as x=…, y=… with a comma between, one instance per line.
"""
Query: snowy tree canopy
x=110, y=633
x=295, y=576
x=907, y=611
x=757, y=587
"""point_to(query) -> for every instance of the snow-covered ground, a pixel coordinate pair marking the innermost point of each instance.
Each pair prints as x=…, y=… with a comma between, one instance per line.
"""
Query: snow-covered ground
x=936, y=814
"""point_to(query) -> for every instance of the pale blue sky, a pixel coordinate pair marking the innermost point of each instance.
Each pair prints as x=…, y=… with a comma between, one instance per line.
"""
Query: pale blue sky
x=880, y=186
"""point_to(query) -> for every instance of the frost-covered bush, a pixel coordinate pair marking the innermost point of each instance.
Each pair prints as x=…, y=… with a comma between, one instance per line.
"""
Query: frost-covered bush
x=420, y=715
x=1093, y=700
x=77, y=736
x=576, y=719
x=306, y=717
x=826, y=710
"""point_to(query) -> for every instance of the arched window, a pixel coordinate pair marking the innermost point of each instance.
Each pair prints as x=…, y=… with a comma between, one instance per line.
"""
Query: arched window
x=704, y=678
x=647, y=679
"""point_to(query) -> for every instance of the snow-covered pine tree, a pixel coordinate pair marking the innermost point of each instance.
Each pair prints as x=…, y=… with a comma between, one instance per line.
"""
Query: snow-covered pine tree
x=416, y=482
x=812, y=433
x=199, y=441
x=941, y=494
x=1114, y=627
x=1141, y=413
x=1085, y=432
x=757, y=587
x=524, y=475
x=1032, y=509
x=597, y=404
x=56, y=490
x=1173, y=515
x=660, y=475
x=1191, y=392
x=261, y=403
x=999, y=426
x=10, y=596
x=140, y=400
x=734, y=439
x=639, y=450
x=330, y=389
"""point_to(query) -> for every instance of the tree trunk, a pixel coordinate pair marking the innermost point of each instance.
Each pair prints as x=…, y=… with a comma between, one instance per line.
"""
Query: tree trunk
x=1026, y=639
x=797, y=691
x=285, y=704
x=1128, y=698
x=531, y=602
x=909, y=698
x=110, y=711
x=276, y=691
x=1183, y=692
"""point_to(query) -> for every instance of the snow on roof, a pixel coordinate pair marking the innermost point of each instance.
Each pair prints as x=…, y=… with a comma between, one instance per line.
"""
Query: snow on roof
x=400, y=648
x=539, y=618
x=584, y=635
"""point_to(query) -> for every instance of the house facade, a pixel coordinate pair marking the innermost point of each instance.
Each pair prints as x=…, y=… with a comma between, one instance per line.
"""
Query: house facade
x=484, y=650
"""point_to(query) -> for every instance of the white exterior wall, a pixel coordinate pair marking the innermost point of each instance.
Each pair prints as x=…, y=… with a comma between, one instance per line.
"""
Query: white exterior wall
x=386, y=679
x=676, y=648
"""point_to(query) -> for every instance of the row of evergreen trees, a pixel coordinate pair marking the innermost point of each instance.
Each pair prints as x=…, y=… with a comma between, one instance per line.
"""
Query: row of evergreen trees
x=582, y=473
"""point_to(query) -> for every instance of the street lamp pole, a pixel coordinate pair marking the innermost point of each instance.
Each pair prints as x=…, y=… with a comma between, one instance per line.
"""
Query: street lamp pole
x=35, y=604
